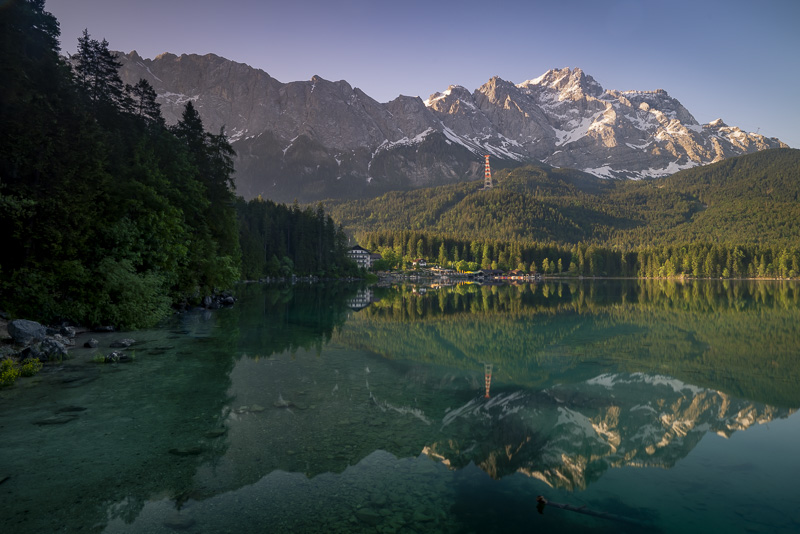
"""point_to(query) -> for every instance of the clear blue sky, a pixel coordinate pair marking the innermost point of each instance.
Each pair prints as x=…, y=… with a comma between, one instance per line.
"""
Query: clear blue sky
x=738, y=60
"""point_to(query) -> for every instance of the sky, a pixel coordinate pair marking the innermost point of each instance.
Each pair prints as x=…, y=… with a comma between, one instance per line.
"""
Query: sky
x=738, y=60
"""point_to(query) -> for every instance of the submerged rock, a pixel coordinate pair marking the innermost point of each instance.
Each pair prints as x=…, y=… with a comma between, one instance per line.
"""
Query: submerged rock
x=78, y=379
x=122, y=343
x=178, y=521
x=420, y=517
x=69, y=409
x=117, y=357
x=56, y=420
x=91, y=344
x=187, y=451
x=368, y=516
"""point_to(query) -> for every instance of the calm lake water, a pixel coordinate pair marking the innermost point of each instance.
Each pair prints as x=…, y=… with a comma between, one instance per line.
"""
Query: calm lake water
x=631, y=406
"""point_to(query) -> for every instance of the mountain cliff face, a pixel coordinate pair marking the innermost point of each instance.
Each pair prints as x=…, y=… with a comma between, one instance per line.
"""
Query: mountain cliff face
x=317, y=139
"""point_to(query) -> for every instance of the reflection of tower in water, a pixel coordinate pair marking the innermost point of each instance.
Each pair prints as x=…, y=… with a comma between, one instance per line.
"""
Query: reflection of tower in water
x=487, y=377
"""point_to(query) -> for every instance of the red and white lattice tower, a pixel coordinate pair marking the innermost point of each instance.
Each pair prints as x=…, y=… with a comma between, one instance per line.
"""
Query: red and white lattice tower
x=487, y=176
x=487, y=376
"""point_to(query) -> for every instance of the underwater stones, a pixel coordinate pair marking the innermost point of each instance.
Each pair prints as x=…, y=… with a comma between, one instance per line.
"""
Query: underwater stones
x=218, y=432
x=62, y=415
x=157, y=351
x=178, y=521
x=117, y=357
x=186, y=451
x=71, y=409
x=255, y=408
x=122, y=343
x=91, y=344
x=368, y=516
x=419, y=517
x=56, y=420
x=281, y=403
x=78, y=379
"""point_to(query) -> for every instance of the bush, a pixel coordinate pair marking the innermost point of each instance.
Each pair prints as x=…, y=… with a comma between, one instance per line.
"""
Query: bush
x=8, y=373
x=129, y=299
x=30, y=367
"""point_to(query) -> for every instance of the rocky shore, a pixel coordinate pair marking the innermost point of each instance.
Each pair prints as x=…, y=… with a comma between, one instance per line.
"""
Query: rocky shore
x=23, y=340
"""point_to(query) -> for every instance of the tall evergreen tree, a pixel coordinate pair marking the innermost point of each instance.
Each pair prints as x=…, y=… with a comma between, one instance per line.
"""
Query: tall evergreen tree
x=97, y=72
x=144, y=103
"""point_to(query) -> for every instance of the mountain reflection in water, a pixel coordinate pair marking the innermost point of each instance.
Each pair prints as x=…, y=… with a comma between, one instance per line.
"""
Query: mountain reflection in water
x=442, y=410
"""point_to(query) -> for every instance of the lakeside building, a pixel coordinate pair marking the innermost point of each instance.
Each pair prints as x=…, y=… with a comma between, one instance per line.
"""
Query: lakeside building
x=361, y=256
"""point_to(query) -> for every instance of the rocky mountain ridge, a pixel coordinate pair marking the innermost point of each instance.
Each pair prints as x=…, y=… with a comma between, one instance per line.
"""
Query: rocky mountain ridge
x=568, y=435
x=316, y=139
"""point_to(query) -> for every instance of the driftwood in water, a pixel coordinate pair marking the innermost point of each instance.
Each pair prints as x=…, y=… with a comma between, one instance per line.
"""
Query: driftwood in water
x=542, y=502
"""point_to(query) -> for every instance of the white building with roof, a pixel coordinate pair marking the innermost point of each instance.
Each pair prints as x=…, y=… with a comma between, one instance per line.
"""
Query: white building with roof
x=361, y=256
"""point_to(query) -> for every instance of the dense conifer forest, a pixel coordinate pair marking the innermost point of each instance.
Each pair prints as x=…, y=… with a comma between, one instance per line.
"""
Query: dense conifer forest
x=108, y=215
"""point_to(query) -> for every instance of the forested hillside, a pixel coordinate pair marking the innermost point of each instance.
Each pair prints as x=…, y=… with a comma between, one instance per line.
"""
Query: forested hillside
x=750, y=199
x=736, y=218
x=108, y=216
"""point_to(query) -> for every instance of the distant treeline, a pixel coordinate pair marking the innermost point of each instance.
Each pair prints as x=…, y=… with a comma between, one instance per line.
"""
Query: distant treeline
x=278, y=240
x=108, y=215
x=696, y=260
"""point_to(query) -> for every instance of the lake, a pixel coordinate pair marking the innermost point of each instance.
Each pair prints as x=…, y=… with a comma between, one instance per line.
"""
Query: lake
x=629, y=405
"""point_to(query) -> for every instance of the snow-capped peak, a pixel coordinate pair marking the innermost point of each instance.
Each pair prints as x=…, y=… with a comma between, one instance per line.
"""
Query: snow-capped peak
x=566, y=80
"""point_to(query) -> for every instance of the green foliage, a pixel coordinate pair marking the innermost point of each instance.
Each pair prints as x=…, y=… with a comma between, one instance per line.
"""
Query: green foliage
x=130, y=299
x=9, y=373
x=30, y=367
x=108, y=215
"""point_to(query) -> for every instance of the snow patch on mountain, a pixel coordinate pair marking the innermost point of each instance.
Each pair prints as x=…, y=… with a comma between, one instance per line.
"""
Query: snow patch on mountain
x=405, y=141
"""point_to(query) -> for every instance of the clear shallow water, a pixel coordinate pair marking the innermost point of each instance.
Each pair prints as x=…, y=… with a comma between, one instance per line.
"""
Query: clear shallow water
x=653, y=406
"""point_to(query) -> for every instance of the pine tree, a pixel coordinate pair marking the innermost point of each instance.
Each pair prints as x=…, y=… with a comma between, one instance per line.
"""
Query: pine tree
x=97, y=71
x=144, y=103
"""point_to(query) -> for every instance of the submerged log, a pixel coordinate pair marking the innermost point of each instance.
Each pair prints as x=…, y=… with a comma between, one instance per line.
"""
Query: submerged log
x=541, y=502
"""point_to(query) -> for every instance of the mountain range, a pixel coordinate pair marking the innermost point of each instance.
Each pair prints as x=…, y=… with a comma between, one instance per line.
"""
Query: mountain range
x=316, y=139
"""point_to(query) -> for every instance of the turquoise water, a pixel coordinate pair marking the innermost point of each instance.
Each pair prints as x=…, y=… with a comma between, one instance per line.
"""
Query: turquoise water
x=631, y=406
